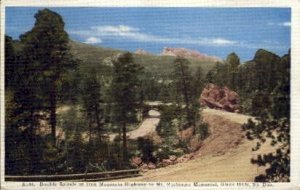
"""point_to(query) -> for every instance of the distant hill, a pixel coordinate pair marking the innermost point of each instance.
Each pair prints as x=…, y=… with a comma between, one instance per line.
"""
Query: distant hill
x=96, y=57
x=189, y=53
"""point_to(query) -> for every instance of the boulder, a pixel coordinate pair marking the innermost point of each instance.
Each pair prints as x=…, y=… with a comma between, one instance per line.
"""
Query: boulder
x=144, y=167
x=166, y=162
x=222, y=98
x=151, y=166
x=173, y=158
x=182, y=159
x=186, y=158
x=159, y=165
x=136, y=161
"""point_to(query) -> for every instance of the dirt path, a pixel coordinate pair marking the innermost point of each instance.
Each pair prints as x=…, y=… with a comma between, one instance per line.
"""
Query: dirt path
x=146, y=127
x=224, y=156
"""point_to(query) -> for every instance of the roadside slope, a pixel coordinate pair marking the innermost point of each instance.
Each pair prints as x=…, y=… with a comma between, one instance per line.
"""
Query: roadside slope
x=224, y=156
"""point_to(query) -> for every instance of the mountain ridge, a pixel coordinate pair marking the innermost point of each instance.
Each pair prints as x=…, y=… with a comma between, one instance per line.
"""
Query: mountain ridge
x=188, y=53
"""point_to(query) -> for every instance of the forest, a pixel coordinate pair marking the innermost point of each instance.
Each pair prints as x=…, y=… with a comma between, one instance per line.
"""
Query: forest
x=54, y=85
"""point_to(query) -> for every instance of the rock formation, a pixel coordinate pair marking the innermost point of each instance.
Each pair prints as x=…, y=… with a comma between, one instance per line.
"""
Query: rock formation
x=188, y=53
x=136, y=161
x=171, y=160
x=222, y=98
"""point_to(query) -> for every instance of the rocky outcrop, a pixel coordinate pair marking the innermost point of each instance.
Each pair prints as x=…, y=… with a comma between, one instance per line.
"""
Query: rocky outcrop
x=188, y=53
x=151, y=166
x=136, y=161
x=222, y=98
x=186, y=157
x=171, y=160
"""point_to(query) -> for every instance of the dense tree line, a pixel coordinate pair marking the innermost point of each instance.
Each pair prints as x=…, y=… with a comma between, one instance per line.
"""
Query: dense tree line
x=264, y=88
x=33, y=81
x=274, y=124
x=256, y=81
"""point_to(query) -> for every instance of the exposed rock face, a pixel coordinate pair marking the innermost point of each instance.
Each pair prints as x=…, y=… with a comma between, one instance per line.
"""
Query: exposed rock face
x=216, y=97
x=141, y=52
x=188, y=53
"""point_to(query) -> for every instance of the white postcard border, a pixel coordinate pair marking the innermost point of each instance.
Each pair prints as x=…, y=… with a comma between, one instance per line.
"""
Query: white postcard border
x=295, y=78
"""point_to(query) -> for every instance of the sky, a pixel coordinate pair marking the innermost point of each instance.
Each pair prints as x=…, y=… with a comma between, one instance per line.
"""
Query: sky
x=213, y=31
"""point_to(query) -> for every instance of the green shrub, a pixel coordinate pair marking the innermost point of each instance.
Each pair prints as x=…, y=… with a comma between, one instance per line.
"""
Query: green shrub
x=203, y=130
x=147, y=148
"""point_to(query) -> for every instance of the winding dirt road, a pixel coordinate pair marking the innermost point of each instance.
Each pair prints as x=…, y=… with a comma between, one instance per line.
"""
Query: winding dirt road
x=224, y=156
x=148, y=126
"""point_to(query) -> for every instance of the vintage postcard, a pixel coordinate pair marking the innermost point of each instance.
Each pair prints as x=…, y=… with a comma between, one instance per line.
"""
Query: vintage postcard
x=150, y=94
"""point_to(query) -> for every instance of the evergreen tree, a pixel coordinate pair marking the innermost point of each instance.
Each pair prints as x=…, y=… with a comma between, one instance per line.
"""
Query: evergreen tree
x=124, y=86
x=183, y=85
x=198, y=82
x=281, y=94
x=47, y=55
x=22, y=113
x=278, y=130
x=274, y=123
x=233, y=62
x=10, y=63
x=91, y=98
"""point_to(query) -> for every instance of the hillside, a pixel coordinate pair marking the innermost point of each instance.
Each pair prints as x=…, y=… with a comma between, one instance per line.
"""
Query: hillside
x=158, y=65
x=224, y=156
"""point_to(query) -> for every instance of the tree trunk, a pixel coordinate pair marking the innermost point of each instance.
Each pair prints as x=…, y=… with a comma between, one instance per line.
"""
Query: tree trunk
x=90, y=132
x=99, y=128
x=120, y=154
x=124, y=142
x=32, y=155
x=53, y=103
x=185, y=93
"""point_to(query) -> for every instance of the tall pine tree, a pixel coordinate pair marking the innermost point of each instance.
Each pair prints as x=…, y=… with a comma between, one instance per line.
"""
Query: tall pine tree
x=183, y=84
x=124, y=86
x=47, y=54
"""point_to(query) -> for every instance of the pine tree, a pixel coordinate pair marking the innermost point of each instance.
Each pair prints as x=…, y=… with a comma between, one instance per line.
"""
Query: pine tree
x=274, y=123
x=10, y=63
x=233, y=62
x=124, y=87
x=91, y=97
x=22, y=113
x=198, y=82
x=47, y=55
x=183, y=85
